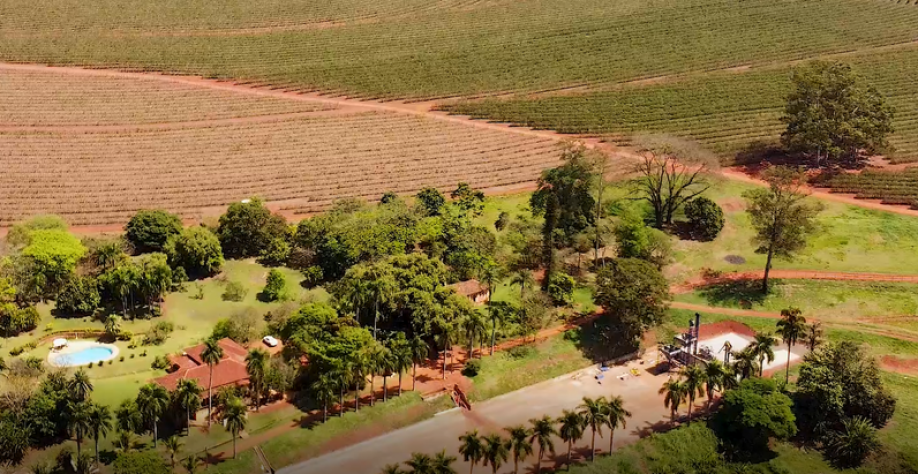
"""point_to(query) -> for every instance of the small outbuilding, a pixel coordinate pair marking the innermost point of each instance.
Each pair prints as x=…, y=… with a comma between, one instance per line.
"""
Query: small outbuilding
x=473, y=289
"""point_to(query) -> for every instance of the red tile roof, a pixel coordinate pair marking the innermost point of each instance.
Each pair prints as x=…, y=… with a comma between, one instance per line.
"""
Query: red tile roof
x=708, y=331
x=230, y=371
x=468, y=287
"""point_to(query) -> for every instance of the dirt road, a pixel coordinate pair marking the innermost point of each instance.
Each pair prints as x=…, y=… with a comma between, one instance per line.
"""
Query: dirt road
x=551, y=398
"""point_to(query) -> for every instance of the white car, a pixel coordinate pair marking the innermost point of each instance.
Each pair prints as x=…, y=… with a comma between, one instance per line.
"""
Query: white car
x=270, y=341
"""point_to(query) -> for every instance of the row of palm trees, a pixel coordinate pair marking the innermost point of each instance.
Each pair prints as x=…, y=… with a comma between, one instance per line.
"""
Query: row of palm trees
x=697, y=381
x=494, y=450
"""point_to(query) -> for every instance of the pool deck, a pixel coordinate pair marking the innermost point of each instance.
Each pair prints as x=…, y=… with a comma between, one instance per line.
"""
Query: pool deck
x=59, y=358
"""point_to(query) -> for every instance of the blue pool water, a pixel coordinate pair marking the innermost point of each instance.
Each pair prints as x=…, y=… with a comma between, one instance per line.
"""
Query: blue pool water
x=84, y=357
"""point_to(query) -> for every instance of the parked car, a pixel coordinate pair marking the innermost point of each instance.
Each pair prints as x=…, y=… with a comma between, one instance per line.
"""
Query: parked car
x=270, y=341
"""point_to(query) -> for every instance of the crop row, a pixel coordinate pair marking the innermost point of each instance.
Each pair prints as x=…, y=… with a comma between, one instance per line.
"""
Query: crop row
x=900, y=187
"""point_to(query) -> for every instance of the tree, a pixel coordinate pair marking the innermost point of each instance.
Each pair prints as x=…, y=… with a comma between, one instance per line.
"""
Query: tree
x=561, y=288
x=420, y=463
x=53, y=255
x=323, y=391
x=79, y=422
x=542, y=432
x=125, y=441
x=472, y=449
x=188, y=396
x=144, y=462
x=113, y=326
x=520, y=445
x=173, y=446
x=705, y=218
x=443, y=463
x=129, y=418
x=197, y=250
x=694, y=379
x=674, y=393
x=791, y=328
x=571, y=430
x=256, y=365
x=191, y=463
x=813, y=336
x=79, y=296
x=833, y=114
x=594, y=415
x=431, y=200
x=616, y=416
x=634, y=293
x=763, y=347
x=234, y=419
x=20, y=235
x=746, y=363
x=718, y=377
x=100, y=424
x=275, y=287
x=148, y=230
x=781, y=218
x=568, y=189
x=752, y=414
x=468, y=199
x=80, y=387
x=248, y=228
x=839, y=382
x=152, y=402
x=523, y=279
x=211, y=355
x=667, y=181
x=496, y=451
x=850, y=446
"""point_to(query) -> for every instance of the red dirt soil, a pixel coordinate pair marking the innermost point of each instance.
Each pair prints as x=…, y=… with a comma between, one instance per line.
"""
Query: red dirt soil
x=900, y=365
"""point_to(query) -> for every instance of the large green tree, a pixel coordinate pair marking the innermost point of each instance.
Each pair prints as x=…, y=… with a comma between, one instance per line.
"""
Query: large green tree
x=197, y=250
x=565, y=193
x=53, y=255
x=149, y=230
x=754, y=413
x=248, y=228
x=634, y=294
x=833, y=114
x=780, y=215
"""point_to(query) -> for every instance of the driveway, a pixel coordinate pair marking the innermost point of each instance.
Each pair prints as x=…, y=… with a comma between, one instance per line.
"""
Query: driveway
x=547, y=398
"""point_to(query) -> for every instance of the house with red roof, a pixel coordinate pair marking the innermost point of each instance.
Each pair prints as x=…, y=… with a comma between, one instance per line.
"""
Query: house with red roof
x=474, y=290
x=230, y=371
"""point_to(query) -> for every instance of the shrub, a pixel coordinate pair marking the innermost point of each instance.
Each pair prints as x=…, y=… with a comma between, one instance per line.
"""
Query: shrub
x=198, y=292
x=132, y=355
x=158, y=334
x=275, y=287
x=312, y=275
x=89, y=365
x=101, y=363
x=276, y=253
x=121, y=359
x=502, y=221
x=111, y=361
x=522, y=352
x=143, y=354
x=141, y=462
x=148, y=231
x=161, y=363
x=49, y=327
x=705, y=218
x=124, y=335
x=234, y=292
x=472, y=368
x=197, y=250
x=560, y=288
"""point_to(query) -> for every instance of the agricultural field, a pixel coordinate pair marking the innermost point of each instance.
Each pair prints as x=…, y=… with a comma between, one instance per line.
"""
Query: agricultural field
x=217, y=147
x=726, y=111
x=445, y=48
x=891, y=187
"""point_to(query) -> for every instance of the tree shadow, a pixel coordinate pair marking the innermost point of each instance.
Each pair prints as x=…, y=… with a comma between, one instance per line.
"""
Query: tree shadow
x=603, y=340
x=742, y=293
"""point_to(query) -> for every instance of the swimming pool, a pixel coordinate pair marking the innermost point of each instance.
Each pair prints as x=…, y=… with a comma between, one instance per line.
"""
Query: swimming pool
x=83, y=356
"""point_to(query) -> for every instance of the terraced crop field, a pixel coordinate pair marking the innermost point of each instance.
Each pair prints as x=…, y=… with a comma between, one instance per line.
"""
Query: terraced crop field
x=429, y=49
x=726, y=110
x=75, y=150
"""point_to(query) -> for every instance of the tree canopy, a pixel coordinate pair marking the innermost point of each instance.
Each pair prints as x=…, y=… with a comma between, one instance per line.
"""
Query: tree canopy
x=149, y=230
x=248, y=228
x=752, y=414
x=567, y=191
x=54, y=254
x=832, y=113
x=633, y=293
x=197, y=250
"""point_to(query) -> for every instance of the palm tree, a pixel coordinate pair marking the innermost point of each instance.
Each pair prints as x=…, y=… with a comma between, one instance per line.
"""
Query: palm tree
x=445, y=339
x=474, y=325
x=443, y=463
x=594, y=415
x=520, y=446
x=323, y=390
x=80, y=386
x=82, y=464
x=522, y=278
x=188, y=396
x=420, y=463
x=745, y=363
x=791, y=328
x=152, y=402
x=694, y=385
x=616, y=415
x=472, y=449
x=496, y=451
x=234, y=418
x=491, y=273
x=850, y=446
x=124, y=441
x=357, y=369
x=674, y=392
x=543, y=429
x=374, y=354
x=571, y=430
x=211, y=355
x=716, y=378
x=100, y=423
x=113, y=325
x=191, y=463
x=763, y=347
x=813, y=336
x=42, y=468
x=392, y=469
x=419, y=352
x=256, y=365
x=173, y=446
x=79, y=422
x=386, y=366
x=402, y=358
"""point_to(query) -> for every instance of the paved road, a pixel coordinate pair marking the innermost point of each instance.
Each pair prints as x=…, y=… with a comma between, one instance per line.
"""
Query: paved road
x=551, y=398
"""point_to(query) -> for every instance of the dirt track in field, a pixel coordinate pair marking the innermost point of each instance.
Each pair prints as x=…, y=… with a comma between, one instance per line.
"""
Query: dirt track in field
x=700, y=282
